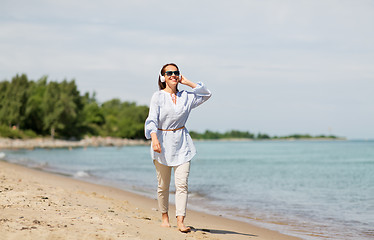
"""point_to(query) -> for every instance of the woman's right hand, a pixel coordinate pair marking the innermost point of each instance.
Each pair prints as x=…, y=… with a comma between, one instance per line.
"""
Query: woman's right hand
x=155, y=143
x=156, y=146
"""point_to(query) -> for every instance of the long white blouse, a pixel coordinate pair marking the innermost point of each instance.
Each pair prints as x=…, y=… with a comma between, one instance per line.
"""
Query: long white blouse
x=176, y=146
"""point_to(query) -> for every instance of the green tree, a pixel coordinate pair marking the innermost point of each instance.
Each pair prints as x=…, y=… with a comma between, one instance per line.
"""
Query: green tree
x=61, y=105
x=111, y=111
x=34, y=111
x=3, y=102
x=51, y=108
x=238, y=134
x=91, y=117
x=131, y=120
x=124, y=120
x=58, y=109
x=14, y=101
x=71, y=103
x=211, y=135
x=262, y=136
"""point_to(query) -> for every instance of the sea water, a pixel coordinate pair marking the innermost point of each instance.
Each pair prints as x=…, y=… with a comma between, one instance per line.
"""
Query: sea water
x=309, y=189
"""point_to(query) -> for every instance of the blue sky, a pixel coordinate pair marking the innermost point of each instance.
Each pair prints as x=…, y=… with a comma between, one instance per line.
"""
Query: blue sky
x=276, y=67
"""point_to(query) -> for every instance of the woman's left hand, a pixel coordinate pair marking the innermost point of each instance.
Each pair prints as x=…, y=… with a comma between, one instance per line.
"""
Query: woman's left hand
x=187, y=82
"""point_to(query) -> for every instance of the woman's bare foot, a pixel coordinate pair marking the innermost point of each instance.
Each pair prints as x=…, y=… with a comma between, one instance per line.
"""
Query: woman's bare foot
x=181, y=226
x=165, y=220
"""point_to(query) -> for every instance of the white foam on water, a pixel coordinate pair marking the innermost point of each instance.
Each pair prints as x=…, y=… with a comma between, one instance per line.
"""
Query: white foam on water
x=81, y=174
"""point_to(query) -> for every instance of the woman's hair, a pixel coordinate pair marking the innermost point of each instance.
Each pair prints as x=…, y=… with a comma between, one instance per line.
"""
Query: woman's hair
x=162, y=85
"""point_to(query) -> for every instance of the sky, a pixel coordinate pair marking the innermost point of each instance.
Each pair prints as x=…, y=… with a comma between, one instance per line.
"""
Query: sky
x=274, y=67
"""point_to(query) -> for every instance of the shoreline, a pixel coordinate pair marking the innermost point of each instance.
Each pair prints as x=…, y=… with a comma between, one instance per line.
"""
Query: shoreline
x=43, y=205
x=8, y=143
x=270, y=140
x=13, y=144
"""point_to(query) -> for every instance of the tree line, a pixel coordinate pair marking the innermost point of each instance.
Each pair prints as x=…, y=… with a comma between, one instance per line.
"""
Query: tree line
x=235, y=134
x=42, y=108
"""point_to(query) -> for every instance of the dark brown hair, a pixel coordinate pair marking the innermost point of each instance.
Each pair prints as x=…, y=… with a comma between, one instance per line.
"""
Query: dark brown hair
x=162, y=85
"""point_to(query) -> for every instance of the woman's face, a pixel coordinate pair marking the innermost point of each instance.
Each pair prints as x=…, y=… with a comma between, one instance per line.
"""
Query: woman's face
x=172, y=80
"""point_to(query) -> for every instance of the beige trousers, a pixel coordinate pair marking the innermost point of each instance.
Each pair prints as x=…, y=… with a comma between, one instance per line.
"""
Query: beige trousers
x=181, y=173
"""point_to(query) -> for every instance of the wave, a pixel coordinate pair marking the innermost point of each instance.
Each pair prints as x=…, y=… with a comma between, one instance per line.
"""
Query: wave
x=81, y=174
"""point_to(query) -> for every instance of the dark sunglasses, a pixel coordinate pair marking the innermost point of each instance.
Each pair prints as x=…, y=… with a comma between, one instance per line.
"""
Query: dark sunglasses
x=170, y=73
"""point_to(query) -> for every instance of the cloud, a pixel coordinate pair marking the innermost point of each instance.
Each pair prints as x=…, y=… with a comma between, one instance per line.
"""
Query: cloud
x=276, y=66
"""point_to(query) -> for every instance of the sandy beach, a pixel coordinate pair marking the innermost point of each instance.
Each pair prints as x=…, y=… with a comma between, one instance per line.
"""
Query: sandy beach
x=40, y=205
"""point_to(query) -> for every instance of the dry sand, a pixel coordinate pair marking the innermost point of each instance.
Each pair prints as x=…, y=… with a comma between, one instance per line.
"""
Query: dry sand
x=40, y=205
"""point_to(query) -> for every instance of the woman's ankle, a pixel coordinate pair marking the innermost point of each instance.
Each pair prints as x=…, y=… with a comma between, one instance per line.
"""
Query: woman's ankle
x=181, y=226
x=165, y=220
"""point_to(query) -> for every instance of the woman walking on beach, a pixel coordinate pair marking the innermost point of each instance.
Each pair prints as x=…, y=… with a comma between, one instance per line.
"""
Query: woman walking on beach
x=172, y=146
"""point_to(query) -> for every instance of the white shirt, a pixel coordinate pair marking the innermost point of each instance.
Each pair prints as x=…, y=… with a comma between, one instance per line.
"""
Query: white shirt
x=176, y=146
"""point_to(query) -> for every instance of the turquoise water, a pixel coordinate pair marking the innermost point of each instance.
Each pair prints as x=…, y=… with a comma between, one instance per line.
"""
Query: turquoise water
x=310, y=189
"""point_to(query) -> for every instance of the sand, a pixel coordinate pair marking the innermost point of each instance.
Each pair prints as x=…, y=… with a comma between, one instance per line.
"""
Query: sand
x=40, y=205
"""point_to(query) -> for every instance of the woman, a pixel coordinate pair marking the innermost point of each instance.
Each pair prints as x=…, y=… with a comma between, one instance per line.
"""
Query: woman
x=172, y=146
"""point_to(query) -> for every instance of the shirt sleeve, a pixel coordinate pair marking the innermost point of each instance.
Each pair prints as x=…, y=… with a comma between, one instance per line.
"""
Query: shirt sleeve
x=151, y=123
x=201, y=93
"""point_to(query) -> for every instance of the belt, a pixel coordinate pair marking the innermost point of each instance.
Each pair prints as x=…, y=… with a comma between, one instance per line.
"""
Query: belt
x=171, y=130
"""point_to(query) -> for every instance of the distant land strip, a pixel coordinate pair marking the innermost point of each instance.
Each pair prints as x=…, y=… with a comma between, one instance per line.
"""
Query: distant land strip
x=235, y=134
x=8, y=143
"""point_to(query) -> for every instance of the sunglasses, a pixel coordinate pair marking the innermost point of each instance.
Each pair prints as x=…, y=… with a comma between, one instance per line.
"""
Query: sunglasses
x=170, y=73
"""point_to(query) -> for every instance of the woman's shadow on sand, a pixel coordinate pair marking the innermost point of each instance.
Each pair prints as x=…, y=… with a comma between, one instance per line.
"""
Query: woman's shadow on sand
x=214, y=231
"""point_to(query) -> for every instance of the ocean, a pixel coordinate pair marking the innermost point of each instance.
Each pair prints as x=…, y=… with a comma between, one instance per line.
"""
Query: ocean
x=310, y=189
